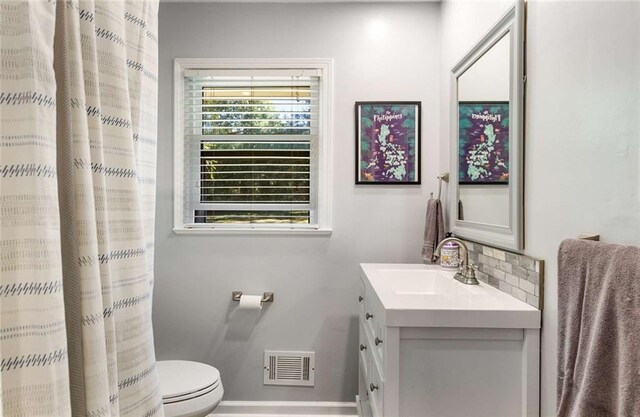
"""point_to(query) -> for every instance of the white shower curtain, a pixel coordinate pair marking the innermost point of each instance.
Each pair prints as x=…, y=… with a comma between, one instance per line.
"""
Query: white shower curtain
x=78, y=103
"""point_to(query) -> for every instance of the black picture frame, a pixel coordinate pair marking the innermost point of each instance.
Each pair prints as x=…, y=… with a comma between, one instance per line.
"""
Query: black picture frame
x=414, y=139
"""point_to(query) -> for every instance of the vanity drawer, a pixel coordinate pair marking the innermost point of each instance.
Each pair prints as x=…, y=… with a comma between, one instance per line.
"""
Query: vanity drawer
x=376, y=391
x=364, y=406
x=376, y=329
x=378, y=346
x=372, y=310
x=361, y=298
x=364, y=349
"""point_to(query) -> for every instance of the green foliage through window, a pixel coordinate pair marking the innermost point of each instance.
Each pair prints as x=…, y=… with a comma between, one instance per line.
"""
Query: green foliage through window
x=279, y=110
x=255, y=172
x=255, y=149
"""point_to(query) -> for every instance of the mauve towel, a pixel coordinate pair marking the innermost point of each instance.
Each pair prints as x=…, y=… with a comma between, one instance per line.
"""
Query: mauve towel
x=598, y=330
x=433, y=229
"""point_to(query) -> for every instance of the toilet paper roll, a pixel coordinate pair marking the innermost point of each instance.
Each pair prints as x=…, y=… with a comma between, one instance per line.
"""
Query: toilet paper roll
x=250, y=302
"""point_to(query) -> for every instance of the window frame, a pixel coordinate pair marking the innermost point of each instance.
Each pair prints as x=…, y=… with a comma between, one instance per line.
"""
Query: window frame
x=325, y=144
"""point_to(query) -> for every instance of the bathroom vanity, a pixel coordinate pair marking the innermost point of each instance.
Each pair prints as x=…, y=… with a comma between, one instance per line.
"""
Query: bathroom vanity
x=432, y=346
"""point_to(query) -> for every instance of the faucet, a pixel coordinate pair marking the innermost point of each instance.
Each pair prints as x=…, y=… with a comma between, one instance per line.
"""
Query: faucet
x=466, y=273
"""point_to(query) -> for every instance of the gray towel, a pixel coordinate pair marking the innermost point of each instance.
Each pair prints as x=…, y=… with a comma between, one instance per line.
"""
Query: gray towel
x=433, y=229
x=598, y=330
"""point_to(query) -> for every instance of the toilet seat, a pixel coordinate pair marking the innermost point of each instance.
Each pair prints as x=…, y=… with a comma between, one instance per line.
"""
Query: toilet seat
x=195, y=394
x=189, y=388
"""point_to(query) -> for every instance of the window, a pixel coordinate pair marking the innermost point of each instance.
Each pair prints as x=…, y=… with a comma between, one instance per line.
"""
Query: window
x=252, y=146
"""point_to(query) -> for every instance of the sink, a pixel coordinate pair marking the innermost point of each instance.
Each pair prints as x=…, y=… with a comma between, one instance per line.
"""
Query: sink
x=422, y=282
x=416, y=295
x=416, y=282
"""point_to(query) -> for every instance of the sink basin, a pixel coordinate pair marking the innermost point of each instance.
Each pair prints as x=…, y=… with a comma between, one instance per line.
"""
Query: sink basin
x=417, y=282
x=423, y=282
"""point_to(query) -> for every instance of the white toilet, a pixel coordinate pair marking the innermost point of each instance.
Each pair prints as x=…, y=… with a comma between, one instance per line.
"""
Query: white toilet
x=189, y=389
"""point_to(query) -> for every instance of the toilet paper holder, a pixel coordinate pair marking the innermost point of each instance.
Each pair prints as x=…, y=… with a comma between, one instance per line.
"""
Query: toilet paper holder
x=267, y=297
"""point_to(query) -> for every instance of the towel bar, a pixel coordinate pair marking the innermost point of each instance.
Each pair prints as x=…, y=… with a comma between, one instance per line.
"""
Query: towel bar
x=442, y=177
x=589, y=236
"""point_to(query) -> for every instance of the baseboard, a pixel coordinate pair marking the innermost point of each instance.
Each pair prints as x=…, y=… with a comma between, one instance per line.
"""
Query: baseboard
x=364, y=410
x=283, y=408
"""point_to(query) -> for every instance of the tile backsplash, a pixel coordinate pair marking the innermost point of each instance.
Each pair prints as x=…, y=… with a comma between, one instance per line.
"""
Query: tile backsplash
x=518, y=275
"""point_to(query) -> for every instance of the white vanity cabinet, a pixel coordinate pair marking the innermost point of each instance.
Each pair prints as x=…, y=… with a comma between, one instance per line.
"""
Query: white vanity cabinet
x=431, y=346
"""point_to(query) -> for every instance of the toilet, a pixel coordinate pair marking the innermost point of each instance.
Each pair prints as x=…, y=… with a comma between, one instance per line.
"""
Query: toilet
x=189, y=389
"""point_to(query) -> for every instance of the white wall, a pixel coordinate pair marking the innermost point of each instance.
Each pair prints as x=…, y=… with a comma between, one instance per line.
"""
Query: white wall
x=485, y=203
x=463, y=23
x=582, y=138
x=381, y=52
x=488, y=79
x=582, y=130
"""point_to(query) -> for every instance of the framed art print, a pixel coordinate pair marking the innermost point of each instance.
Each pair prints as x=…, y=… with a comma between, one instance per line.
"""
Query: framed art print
x=388, y=142
x=483, y=142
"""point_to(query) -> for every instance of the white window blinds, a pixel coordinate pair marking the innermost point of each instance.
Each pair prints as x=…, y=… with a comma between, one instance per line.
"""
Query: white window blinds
x=251, y=145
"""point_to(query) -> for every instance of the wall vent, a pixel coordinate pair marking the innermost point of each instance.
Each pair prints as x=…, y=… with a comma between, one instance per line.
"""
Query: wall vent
x=289, y=368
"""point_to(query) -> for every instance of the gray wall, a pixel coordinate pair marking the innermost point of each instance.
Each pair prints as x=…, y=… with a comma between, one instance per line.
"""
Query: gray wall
x=314, y=278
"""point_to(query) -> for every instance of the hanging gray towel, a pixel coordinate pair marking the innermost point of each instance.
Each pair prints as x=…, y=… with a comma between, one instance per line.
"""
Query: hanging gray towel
x=598, y=330
x=433, y=229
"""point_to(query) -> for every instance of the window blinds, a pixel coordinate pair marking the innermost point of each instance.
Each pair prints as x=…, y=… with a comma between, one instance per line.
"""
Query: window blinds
x=251, y=139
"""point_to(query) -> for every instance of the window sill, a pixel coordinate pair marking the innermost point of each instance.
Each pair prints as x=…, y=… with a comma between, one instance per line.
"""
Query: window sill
x=254, y=232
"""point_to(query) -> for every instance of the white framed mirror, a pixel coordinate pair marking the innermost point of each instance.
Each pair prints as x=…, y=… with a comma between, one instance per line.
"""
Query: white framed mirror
x=487, y=137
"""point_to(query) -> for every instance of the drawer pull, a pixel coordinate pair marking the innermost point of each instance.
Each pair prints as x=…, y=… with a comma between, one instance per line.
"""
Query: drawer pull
x=360, y=298
x=362, y=347
x=368, y=316
x=373, y=387
x=378, y=341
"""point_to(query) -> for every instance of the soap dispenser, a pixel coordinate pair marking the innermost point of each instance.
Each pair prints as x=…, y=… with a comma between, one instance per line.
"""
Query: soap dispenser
x=450, y=256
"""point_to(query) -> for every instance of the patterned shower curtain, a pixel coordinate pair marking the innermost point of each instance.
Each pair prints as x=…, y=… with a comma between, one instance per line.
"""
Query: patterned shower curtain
x=78, y=103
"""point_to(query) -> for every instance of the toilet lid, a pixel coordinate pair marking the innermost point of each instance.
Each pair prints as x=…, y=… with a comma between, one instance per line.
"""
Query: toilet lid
x=180, y=378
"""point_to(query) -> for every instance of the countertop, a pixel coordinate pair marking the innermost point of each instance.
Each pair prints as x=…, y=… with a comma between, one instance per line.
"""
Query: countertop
x=417, y=295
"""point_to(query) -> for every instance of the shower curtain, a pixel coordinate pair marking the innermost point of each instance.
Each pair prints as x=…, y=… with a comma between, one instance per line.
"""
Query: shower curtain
x=78, y=103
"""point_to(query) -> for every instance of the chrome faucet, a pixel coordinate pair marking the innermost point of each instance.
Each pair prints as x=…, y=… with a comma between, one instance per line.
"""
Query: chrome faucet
x=466, y=273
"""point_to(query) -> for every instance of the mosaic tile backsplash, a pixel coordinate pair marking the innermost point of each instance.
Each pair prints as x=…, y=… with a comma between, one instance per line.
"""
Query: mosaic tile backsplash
x=519, y=275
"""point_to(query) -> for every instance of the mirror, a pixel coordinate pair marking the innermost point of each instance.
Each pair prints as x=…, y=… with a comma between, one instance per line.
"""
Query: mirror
x=487, y=137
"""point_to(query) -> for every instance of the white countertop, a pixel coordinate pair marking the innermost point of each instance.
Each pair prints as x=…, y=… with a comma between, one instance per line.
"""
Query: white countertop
x=416, y=295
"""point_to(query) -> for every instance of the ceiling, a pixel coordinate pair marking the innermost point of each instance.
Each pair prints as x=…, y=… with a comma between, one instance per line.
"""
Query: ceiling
x=299, y=1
